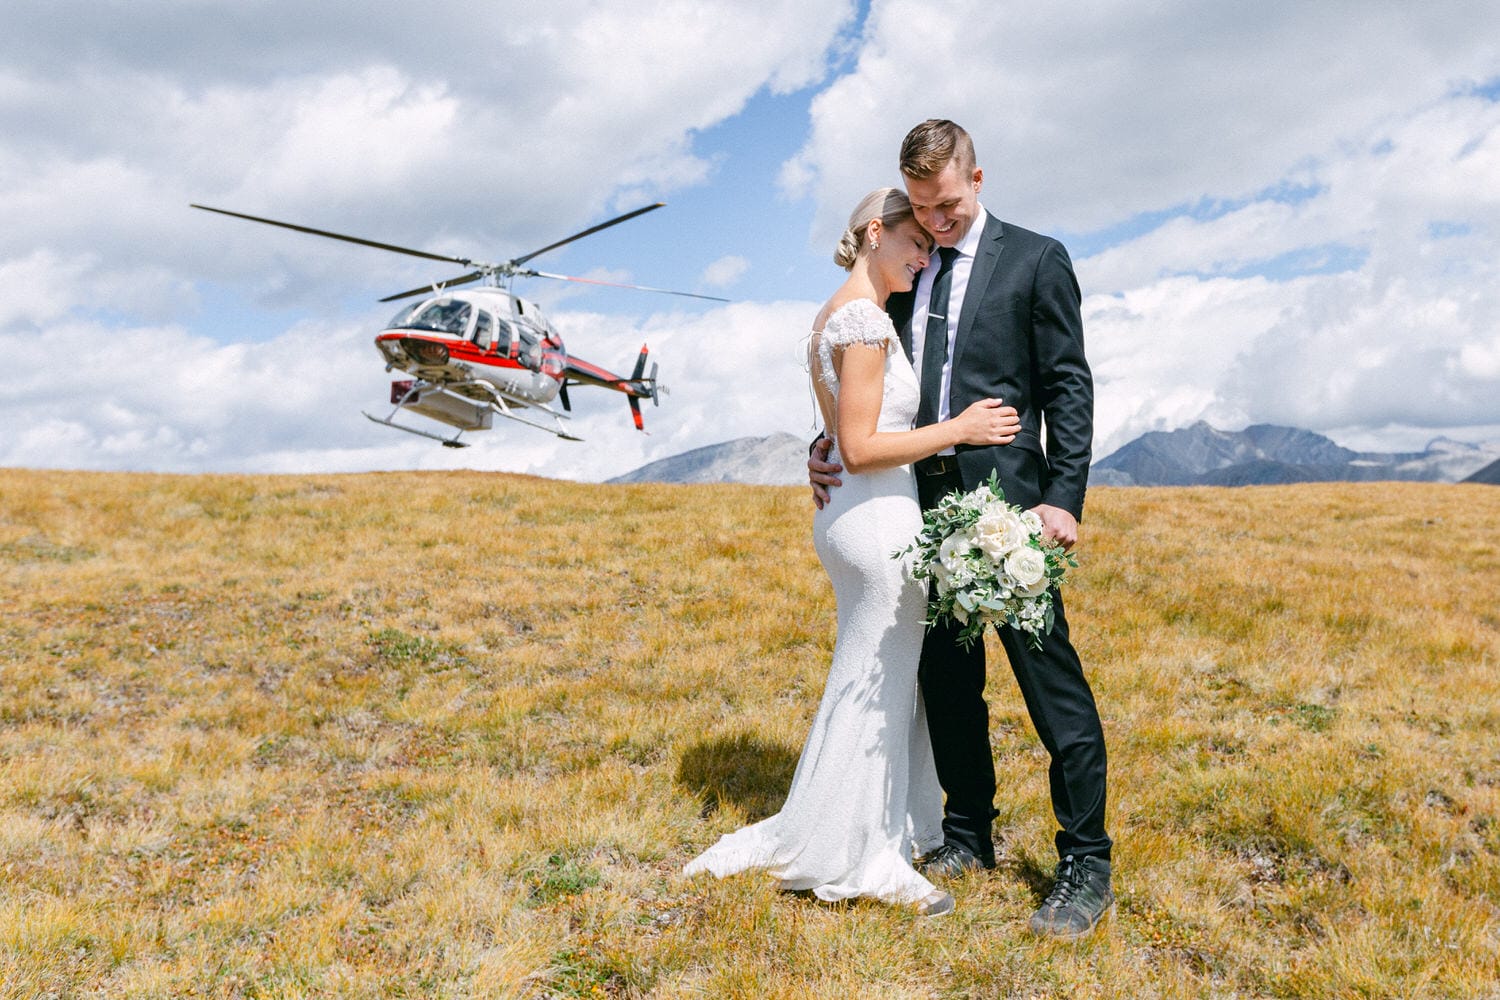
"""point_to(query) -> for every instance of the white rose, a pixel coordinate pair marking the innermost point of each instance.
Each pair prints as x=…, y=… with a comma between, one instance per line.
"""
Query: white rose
x=1028, y=567
x=1033, y=521
x=998, y=531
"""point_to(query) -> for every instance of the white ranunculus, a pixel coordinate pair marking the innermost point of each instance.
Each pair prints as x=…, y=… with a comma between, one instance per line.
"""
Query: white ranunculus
x=1032, y=520
x=1035, y=590
x=1028, y=567
x=953, y=551
x=998, y=532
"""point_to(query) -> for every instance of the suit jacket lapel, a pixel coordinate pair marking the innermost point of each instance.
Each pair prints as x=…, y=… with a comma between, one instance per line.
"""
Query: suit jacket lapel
x=899, y=308
x=991, y=245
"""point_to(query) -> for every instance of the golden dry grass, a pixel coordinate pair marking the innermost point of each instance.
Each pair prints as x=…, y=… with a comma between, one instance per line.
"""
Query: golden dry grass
x=451, y=735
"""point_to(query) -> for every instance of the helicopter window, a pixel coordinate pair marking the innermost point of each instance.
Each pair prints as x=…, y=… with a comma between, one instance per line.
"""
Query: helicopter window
x=503, y=336
x=442, y=316
x=483, y=329
x=531, y=348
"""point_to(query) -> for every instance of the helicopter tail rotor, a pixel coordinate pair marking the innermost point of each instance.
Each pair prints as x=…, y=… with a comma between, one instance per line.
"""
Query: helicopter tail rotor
x=649, y=385
x=635, y=401
x=640, y=387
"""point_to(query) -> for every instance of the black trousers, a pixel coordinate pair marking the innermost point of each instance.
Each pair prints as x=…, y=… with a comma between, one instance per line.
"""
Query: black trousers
x=1061, y=706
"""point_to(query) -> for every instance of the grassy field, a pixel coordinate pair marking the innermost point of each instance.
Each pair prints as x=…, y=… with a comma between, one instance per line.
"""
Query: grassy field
x=453, y=735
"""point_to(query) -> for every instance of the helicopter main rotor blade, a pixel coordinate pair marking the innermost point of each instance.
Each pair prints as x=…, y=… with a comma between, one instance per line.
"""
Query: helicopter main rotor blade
x=340, y=236
x=528, y=273
x=588, y=232
x=427, y=289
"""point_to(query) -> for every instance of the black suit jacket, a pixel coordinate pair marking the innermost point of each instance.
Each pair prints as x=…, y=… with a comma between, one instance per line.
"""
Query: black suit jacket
x=1020, y=338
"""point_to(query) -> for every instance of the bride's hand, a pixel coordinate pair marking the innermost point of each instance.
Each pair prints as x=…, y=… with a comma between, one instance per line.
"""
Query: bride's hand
x=987, y=422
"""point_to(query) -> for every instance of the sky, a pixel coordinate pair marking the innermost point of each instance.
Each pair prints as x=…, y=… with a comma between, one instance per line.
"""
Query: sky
x=1286, y=212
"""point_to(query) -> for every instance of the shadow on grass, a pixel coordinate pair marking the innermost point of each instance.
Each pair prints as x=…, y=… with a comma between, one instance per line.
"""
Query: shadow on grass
x=1032, y=872
x=743, y=770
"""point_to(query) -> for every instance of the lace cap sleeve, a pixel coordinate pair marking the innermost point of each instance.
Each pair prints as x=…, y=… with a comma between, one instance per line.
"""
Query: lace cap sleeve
x=858, y=322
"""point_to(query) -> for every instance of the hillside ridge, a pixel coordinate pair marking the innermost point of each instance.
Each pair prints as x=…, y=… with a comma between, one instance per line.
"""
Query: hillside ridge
x=1197, y=455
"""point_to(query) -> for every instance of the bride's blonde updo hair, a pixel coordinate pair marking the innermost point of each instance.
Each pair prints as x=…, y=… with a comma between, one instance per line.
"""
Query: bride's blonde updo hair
x=887, y=204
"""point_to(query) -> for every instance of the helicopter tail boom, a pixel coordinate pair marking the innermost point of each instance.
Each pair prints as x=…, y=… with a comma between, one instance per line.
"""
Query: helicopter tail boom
x=637, y=387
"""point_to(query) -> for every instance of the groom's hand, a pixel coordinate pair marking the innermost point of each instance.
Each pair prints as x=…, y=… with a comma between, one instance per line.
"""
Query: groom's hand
x=822, y=475
x=1058, y=525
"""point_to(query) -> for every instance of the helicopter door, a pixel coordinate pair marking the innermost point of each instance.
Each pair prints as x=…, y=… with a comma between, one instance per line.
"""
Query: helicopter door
x=483, y=329
x=505, y=340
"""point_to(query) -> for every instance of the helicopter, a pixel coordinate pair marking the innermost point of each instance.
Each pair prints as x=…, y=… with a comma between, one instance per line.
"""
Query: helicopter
x=478, y=353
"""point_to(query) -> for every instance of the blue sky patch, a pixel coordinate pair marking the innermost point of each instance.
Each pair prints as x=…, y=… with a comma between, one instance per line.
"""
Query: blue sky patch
x=1285, y=192
x=1442, y=230
x=1327, y=258
x=1488, y=89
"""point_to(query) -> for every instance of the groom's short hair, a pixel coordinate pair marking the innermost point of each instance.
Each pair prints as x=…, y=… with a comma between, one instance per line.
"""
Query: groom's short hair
x=929, y=147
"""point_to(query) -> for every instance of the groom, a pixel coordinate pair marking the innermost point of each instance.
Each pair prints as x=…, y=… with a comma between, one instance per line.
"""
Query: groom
x=996, y=314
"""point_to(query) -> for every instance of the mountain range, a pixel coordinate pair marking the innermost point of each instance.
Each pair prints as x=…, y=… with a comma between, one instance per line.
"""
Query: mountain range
x=1198, y=455
x=1201, y=455
x=1489, y=475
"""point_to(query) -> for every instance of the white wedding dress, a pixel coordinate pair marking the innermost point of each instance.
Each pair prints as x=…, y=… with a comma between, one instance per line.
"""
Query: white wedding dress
x=865, y=796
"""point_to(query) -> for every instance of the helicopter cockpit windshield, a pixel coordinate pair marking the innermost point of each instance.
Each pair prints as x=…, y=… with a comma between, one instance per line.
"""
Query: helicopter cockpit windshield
x=440, y=316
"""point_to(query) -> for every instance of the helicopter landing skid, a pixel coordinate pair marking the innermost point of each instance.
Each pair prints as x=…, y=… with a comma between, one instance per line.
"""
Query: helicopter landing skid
x=447, y=442
x=498, y=405
x=495, y=403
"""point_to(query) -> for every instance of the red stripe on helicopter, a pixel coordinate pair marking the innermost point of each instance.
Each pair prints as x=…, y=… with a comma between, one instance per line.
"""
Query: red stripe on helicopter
x=462, y=350
x=594, y=371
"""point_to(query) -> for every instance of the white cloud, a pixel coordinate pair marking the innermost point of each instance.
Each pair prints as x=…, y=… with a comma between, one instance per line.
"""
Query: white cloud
x=1358, y=351
x=455, y=129
x=304, y=142
x=448, y=129
x=1309, y=194
x=730, y=372
x=725, y=271
x=1158, y=352
x=1085, y=115
x=1291, y=212
x=1405, y=333
x=36, y=288
x=83, y=395
x=163, y=399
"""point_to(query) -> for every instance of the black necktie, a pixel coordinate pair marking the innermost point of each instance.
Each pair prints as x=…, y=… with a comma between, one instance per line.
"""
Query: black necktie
x=935, y=345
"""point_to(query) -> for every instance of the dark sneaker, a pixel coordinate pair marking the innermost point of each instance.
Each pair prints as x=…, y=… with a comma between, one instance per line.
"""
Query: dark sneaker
x=1079, y=898
x=935, y=904
x=951, y=861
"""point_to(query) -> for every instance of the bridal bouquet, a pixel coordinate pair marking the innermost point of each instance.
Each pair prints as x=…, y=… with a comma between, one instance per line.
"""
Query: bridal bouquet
x=989, y=563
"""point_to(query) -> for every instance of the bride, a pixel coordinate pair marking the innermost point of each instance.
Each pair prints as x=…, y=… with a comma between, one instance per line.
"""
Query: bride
x=865, y=796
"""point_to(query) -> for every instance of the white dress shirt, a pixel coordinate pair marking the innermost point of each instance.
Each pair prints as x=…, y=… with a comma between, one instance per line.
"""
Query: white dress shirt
x=962, y=265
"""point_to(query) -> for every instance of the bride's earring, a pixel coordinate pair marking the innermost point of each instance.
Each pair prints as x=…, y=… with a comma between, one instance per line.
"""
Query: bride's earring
x=874, y=244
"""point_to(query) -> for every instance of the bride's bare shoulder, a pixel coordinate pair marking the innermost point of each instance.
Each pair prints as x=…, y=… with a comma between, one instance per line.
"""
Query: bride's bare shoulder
x=837, y=304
